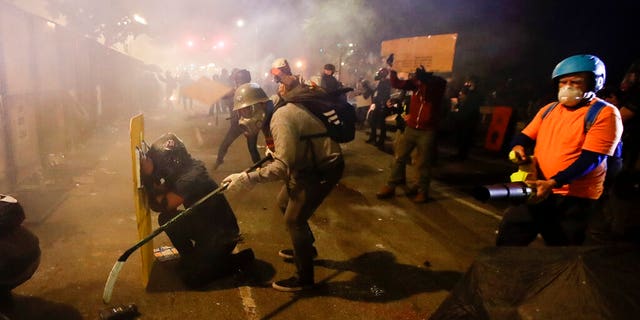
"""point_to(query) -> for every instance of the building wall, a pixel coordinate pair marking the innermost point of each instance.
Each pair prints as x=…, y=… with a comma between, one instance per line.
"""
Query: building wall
x=49, y=77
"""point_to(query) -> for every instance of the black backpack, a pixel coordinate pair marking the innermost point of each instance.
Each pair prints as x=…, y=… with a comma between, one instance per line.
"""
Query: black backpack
x=338, y=116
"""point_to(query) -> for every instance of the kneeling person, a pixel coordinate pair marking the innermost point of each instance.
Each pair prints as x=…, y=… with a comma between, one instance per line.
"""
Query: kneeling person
x=207, y=236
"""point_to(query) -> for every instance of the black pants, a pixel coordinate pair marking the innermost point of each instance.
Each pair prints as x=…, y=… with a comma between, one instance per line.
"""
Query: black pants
x=465, y=133
x=232, y=134
x=377, y=123
x=298, y=200
x=204, y=257
x=560, y=220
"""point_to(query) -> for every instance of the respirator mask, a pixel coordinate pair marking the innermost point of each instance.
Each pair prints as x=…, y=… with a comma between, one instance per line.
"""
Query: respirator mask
x=251, y=119
x=570, y=96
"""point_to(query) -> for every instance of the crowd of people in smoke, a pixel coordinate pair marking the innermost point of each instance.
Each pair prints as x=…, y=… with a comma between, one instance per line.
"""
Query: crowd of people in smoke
x=464, y=111
x=576, y=138
x=449, y=112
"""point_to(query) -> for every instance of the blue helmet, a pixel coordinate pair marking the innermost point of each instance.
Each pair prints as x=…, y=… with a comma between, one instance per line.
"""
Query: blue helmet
x=582, y=63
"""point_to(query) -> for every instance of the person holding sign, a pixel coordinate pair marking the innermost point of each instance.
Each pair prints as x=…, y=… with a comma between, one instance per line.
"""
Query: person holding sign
x=420, y=132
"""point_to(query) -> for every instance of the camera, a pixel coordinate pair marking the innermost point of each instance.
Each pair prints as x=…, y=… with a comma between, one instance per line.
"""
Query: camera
x=511, y=191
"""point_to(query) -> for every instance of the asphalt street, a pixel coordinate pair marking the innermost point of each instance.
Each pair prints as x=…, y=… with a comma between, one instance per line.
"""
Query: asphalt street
x=378, y=259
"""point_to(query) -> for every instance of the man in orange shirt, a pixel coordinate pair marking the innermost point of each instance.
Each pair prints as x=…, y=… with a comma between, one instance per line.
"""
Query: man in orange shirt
x=571, y=159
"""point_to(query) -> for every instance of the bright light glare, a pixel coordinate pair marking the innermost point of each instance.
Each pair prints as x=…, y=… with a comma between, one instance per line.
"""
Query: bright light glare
x=139, y=19
x=299, y=64
x=220, y=44
x=189, y=43
x=240, y=23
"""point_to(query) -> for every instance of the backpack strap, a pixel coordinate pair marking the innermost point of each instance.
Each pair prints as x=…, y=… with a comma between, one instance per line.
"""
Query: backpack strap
x=589, y=119
x=546, y=112
x=592, y=114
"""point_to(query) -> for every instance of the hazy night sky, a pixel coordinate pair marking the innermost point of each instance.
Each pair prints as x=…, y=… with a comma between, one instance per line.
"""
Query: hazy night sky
x=498, y=39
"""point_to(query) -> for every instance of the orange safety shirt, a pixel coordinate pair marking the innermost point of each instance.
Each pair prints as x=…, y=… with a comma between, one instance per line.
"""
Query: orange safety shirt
x=560, y=138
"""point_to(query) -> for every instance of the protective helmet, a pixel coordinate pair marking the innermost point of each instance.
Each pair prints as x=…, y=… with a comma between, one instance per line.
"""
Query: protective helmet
x=241, y=76
x=330, y=67
x=280, y=65
x=381, y=74
x=582, y=63
x=248, y=94
x=169, y=154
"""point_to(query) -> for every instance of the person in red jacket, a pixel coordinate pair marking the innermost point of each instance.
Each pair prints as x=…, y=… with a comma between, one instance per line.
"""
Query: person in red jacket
x=420, y=132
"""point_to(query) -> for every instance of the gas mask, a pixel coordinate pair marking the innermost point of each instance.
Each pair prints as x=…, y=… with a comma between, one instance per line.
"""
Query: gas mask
x=570, y=96
x=251, y=119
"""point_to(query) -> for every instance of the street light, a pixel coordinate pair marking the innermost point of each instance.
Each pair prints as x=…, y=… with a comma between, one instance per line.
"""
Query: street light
x=139, y=19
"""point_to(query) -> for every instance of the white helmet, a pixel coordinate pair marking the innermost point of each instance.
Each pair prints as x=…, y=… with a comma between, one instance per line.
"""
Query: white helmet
x=281, y=64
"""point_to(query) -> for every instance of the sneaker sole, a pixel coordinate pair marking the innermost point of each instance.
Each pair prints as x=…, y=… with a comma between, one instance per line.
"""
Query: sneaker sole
x=284, y=255
x=290, y=289
x=288, y=256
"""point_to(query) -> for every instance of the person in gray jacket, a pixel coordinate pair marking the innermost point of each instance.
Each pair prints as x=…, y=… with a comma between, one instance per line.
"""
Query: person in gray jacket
x=309, y=163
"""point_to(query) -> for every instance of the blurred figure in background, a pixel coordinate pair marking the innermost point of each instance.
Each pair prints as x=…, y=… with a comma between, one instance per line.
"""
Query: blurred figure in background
x=171, y=83
x=238, y=77
x=379, y=113
x=466, y=117
x=364, y=92
x=185, y=80
x=629, y=108
x=610, y=94
x=328, y=82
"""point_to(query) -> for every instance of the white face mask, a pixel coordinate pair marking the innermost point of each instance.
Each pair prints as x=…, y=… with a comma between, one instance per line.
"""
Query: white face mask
x=570, y=96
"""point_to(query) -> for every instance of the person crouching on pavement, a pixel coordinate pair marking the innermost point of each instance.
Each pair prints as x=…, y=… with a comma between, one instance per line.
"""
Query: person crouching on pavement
x=571, y=162
x=205, y=238
x=310, y=168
